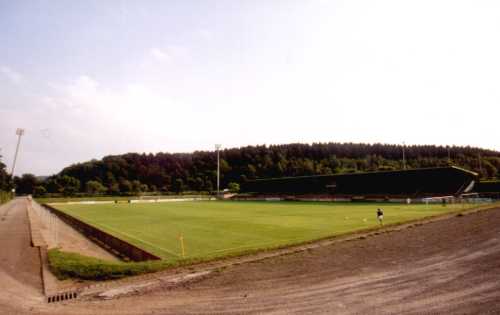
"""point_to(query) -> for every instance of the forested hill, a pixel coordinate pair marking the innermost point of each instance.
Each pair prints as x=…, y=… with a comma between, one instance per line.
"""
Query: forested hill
x=197, y=171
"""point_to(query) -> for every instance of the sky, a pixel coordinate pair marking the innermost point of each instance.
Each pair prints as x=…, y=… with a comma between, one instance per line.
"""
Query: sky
x=87, y=79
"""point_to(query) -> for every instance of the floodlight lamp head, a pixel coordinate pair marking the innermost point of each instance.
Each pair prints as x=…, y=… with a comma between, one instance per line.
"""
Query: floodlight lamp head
x=218, y=146
x=19, y=131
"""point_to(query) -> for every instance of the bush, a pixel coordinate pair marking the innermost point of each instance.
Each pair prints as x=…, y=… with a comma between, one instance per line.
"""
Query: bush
x=4, y=196
x=233, y=187
x=39, y=191
x=94, y=187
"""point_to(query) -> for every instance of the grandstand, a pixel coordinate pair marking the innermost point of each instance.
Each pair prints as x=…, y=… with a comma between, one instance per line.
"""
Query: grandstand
x=413, y=183
x=490, y=189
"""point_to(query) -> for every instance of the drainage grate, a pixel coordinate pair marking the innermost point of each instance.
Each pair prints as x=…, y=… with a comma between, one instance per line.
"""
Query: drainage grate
x=59, y=297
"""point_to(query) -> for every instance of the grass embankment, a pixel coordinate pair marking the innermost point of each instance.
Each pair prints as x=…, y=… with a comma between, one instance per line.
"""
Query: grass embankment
x=66, y=265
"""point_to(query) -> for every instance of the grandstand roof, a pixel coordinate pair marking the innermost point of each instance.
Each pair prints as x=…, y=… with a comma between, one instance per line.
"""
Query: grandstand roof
x=375, y=172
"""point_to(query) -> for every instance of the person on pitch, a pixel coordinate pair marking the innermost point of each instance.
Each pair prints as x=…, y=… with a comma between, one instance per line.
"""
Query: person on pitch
x=380, y=216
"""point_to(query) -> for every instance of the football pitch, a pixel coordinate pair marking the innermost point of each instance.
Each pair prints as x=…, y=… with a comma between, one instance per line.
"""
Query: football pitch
x=218, y=228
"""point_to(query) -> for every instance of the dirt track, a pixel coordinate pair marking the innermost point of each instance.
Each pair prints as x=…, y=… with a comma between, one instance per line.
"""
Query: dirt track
x=19, y=262
x=449, y=266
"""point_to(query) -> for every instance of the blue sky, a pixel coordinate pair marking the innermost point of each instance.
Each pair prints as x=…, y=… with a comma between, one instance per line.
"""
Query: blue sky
x=92, y=78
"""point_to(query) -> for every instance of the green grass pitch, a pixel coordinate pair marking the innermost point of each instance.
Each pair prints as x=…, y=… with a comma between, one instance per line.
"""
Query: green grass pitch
x=218, y=228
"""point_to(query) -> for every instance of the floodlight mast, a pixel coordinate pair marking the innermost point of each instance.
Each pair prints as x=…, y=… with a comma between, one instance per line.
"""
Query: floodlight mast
x=19, y=133
x=217, y=147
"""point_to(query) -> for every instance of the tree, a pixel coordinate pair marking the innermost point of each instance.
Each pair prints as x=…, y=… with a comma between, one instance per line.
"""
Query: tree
x=489, y=169
x=39, y=191
x=52, y=185
x=94, y=187
x=251, y=171
x=178, y=185
x=243, y=178
x=125, y=186
x=5, y=180
x=114, y=189
x=233, y=187
x=25, y=185
x=208, y=186
x=69, y=184
x=136, y=187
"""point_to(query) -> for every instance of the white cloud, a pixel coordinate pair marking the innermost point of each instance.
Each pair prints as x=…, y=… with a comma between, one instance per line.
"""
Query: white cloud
x=13, y=76
x=83, y=89
x=205, y=34
x=130, y=117
x=79, y=92
x=85, y=118
x=160, y=55
x=178, y=51
x=169, y=54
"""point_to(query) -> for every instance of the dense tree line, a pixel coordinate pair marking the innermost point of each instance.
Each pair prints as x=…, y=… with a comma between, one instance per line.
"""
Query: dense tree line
x=165, y=172
x=5, y=183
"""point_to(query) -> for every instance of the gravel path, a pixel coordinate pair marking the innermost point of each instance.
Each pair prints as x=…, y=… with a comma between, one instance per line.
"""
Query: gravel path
x=21, y=285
